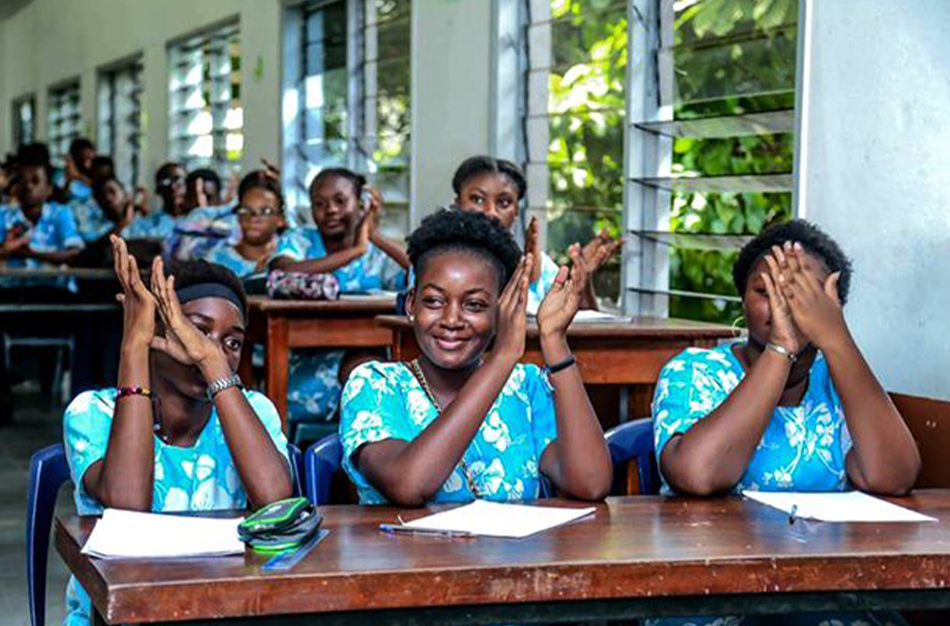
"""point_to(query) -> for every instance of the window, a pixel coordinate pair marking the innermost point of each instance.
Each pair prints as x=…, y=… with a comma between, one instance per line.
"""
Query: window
x=686, y=150
x=206, y=116
x=64, y=119
x=24, y=120
x=576, y=57
x=120, y=120
x=711, y=147
x=346, y=98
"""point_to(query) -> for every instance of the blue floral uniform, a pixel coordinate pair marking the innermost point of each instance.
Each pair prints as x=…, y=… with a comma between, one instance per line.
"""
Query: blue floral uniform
x=53, y=232
x=225, y=254
x=155, y=225
x=91, y=222
x=200, y=478
x=314, y=386
x=803, y=448
x=385, y=401
x=540, y=288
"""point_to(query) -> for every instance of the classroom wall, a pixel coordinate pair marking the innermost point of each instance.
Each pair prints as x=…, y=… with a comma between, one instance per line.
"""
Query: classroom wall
x=876, y=138
x=51, y=41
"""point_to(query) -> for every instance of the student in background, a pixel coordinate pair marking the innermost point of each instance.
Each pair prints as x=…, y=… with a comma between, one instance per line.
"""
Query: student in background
x=210, y=220
x=346, y=242
x=260, y=213
x=170, y=187
x=202, y=188
x=79, y=174
x=459, y=422
x=116, y=212
x=496, y=187
x=37, y=232
x=178, y=433
x=795, y=407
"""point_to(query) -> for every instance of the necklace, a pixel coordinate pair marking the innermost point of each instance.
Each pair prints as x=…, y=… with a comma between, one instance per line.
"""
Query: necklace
x=421, y=377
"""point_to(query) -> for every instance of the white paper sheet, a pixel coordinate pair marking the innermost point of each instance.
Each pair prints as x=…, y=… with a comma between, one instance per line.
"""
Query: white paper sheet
x=495, y=519
x=598, y=316
x=848, y=506
x=132, y=534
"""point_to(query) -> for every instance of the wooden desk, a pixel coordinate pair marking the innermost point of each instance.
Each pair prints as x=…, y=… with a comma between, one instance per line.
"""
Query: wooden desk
x=608, y=353
x=284, y=324
x=639, y=556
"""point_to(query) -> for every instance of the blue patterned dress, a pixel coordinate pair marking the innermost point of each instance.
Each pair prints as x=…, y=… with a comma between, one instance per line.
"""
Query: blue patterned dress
x=156, y=225
x=91, y=222
x=803, y=448
x=385, y=401
x=314, y=386
x=53, y=232
x=540, y=288
x=200, y=478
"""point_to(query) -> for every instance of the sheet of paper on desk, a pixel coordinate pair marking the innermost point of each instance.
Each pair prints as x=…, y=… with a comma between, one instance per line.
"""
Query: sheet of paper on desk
x=132, y=534
x=847, y=506
x=598, y=316
x=495, y=519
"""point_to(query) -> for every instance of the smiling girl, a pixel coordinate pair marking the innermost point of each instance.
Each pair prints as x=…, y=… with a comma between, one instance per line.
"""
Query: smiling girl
x=461, y=422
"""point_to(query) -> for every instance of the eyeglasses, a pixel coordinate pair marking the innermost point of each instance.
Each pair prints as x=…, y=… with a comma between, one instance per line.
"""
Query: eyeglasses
x=268, y=211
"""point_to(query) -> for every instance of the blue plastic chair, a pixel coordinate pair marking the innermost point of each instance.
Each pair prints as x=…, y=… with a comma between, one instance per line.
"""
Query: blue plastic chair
x=296, y=468
x=321, y=461
x=48, y=472
x=634, y=441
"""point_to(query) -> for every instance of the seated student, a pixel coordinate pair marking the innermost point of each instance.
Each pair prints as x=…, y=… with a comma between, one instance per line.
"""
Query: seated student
x=795, y=407
x=117, y=212
x=79, y=174
x=210, y=221
x=170, y=187
x=496, y=187
x=459, y=422
x=37, y=232
x=344, y=241
x=260, y=212
x=178, y=433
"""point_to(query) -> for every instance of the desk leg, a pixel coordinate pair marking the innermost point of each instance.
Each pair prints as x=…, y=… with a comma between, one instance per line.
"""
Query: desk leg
x=97, y=619
x=276, y=362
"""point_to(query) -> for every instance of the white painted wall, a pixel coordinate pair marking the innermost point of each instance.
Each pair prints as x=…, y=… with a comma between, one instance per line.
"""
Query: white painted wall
x=875, y=176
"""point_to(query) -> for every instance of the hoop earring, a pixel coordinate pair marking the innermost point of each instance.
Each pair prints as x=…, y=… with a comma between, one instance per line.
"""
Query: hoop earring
x=737, y=329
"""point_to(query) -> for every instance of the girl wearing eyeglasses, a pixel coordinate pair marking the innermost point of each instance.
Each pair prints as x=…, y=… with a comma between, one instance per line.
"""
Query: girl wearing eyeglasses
x=260, y=213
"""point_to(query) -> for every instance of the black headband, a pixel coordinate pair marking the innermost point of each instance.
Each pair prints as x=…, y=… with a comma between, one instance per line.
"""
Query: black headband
x=210, y=290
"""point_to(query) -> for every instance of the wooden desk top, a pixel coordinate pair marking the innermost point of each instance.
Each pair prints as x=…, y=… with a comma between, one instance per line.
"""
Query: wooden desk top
x=375, y=305
x=635, y=547
x=642, y=327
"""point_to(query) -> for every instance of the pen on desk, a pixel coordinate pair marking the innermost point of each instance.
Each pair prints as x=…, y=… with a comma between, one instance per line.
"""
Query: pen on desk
x=400, y=528
x=791, y=514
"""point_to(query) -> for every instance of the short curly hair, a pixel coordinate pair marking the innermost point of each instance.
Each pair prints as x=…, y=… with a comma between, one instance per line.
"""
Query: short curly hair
x=813, y=240
x=197, y=271
x=454, y=230
x=259, y=179
x=478, y=165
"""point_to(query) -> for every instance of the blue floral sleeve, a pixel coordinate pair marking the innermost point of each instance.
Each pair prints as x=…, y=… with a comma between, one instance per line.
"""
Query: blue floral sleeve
x=540, y=288
x=690, y=387
x=371, y=410
x=392, y=276
x=293, y=244
x=86, y=426
x=270, y=418
x=543, y=414
x=66, y=228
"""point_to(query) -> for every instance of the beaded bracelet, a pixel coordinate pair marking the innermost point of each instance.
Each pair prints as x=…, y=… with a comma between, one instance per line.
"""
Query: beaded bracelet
x=133, y=391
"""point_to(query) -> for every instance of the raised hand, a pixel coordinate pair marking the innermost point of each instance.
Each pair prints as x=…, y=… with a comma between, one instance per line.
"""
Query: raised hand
x=200, y=196
x=561, y=303
x=532, y=246
x=813, y=301
x=138, y=305
x=140, y=199
x=784, y=332
x=182, y=341
x=599, y=249
x=512, y=314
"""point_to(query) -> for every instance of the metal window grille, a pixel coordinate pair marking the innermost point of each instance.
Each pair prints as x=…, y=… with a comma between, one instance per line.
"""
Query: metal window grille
x=64, y=120
x=120, y=120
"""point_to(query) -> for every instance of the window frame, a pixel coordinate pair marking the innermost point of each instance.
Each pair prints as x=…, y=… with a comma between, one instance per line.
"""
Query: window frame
x=56, y=95
x=108, y=78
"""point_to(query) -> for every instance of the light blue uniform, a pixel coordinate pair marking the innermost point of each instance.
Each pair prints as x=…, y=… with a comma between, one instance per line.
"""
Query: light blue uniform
x=803, y=449
x=53, y=232
x=225, y=254
x=200, y=478
x=314, y=386
x=385, y=401
x=156, y=225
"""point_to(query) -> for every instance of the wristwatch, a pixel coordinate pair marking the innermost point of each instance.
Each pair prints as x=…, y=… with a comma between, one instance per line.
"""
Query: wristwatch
x=217, y=386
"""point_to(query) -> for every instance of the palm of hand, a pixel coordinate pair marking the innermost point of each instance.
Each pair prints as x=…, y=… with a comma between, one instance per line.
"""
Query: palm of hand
x=185, y=343
x=558, y=308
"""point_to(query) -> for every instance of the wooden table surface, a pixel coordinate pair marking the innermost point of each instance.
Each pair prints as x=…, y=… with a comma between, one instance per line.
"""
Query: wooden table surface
x=637, y=556
x=333, y=324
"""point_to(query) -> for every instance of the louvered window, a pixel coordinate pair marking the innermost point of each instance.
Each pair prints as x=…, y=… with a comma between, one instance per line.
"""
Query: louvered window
x=120, y=120
x=64, y=120
x=24, y=120
x=206, y=114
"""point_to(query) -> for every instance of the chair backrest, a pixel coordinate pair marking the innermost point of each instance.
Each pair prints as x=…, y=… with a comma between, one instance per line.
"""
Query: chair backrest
x=321, y=461
x=633, y=441
x=296, y=468
x=48, y=471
